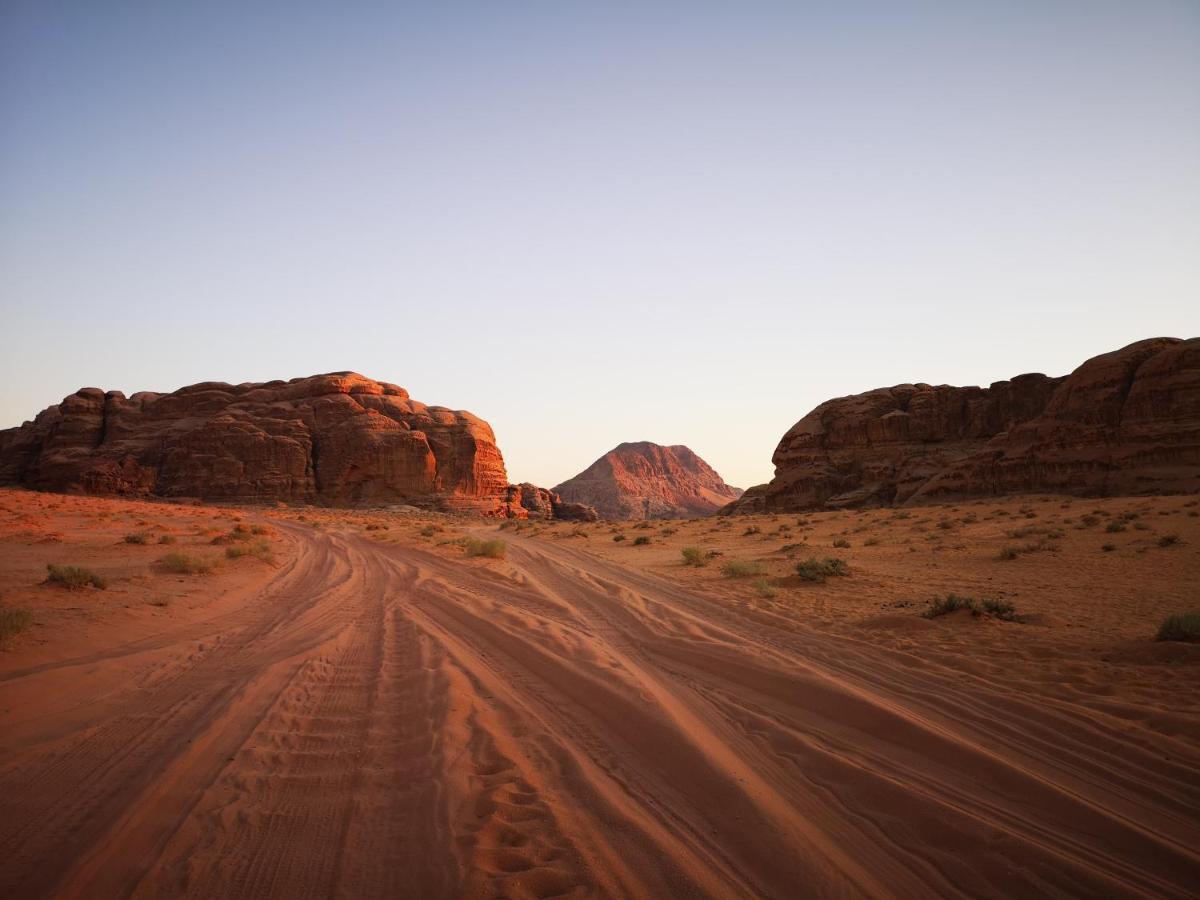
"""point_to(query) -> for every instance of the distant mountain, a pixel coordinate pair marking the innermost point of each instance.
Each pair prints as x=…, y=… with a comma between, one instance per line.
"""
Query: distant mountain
x=648, y=481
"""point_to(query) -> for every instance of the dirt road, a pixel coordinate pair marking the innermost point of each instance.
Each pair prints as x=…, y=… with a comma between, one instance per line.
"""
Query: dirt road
x=384, y=721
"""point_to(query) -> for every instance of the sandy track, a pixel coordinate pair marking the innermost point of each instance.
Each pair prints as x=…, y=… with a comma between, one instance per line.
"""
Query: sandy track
x=382, y=721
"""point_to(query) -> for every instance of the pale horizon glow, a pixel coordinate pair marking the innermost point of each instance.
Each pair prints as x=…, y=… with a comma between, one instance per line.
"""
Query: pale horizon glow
x=688, y=224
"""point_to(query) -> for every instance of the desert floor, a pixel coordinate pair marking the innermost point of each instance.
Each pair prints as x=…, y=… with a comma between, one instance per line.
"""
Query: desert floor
x=359, y=709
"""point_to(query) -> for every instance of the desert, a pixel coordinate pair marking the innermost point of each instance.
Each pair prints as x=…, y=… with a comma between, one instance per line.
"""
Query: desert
x=373, y=703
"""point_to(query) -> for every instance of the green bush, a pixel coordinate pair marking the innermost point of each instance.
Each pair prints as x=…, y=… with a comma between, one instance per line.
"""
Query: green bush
x=693, y=556
x=494, y=549
x=1182, y=627
x=13, y=620
x=183, y=564
x=818, y=570
x=1000, y=609
x=737, y=568
x=138, y=537
x=941, y=606
x=74, y=577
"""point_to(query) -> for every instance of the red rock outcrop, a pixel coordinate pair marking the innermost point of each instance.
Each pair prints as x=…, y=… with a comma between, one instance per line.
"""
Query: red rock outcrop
x=649, y=481
x=528, y=501
x=1126, y=422
x=338, y=439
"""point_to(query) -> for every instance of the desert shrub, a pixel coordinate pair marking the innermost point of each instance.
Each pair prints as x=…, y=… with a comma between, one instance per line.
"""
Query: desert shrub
x=1000, y=609
x=1182, y=627
x=13, y=620
x=792, y=548
x=167, y=539
x=641, y=540
x=818, y=570
x=763, y=588
x=431, y=530
x=263, y=529
x=259, y=550
x=871, y=542
x=1007, y=552
x=138, y=537
x=753, y=529
x=667, y=532
x=841, y=543
x=940, y=606
x=618, y=537
x=1109, y=548
x=183, y=564
x=693, y=556
x=74, y=577
x=1168, y=540
x=493, y=549
x=1114, y=526
x=737, y=568
x=945, y=524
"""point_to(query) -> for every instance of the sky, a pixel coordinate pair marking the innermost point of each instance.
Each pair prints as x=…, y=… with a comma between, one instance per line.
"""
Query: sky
x=591, y=223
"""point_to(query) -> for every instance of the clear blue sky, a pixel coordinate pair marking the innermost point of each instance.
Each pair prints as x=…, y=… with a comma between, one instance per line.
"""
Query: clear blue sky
x=591, y=223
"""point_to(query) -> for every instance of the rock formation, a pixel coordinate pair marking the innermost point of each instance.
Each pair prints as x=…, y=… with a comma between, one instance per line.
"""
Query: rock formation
x=338, y=439
x=1126, y=422
x=528, y=501
x=648, y=481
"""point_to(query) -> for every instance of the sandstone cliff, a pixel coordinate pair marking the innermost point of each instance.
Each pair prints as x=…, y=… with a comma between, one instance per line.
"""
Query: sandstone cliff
x=339, y=439
x=645, y=480
x=528, y=501
x=1125, y=422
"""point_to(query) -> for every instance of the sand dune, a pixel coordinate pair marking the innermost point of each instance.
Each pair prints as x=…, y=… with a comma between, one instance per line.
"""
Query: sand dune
x=383, y=718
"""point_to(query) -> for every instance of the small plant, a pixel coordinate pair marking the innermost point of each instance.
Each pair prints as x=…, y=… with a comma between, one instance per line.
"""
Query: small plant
x=1114, y=526
x=763, y=588
x=871, y=542
x=183, y=564
x=694, y=556
x=753, y=529
x=1007, y=552
x=818, y=570
x=74, y=577
x=13, y=620
x=138, y=537
x=1109, y=548
x=1000, y=609
x=618, y=537
x=841, y=544
x=259, y=550
x=431, y=530
x=941, y=606
x=737, y=568
x=493, y=549
x=641, y=540
x=1182, y=627
x=1168, y=540
x=167, y=539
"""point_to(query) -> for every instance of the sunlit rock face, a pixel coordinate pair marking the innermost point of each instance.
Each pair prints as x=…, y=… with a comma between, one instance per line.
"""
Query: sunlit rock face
x=1126, y=422
x=339, y=439
x=649, y=481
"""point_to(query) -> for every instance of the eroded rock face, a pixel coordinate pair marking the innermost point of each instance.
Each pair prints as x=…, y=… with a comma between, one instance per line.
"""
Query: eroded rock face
x=648, y=481
x=1122, y=423
x=528, y=501
x=339, y=439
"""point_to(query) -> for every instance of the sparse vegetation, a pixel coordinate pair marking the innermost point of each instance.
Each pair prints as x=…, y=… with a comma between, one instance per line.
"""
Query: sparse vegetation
x=492, y=549
x=167, y=539
x=818, y=570
x=1168, y=540
x=753, y=529
x=1114, y=527
x=737, y=568
x=1182, y=627
x=641, y=540
x=1007, y=552
x=13, y=620
x=841, y=544
x=1109, y=548
x=138, y=537
x=74, y=577
x=618, y=537
x=694, y=556
x=259, y=550
x=871, y=542
x=184, y=564
x=1000, y=609
x=763, y=588
x=941, y=606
